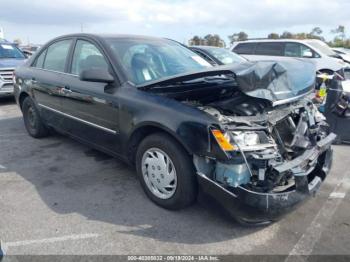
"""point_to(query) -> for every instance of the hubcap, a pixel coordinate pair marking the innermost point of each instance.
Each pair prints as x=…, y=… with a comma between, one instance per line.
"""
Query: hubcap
x=159, y=173
x=31, y=117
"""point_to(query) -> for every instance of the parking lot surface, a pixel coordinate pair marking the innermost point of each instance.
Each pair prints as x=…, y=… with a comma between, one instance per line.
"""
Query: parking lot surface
x=58, y=196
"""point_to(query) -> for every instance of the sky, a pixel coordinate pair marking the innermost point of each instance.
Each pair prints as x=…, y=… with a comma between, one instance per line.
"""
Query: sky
x=38, y=21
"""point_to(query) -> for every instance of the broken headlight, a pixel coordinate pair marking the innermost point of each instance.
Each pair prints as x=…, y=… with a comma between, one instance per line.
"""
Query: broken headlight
x=250, y=140
x=243, y=139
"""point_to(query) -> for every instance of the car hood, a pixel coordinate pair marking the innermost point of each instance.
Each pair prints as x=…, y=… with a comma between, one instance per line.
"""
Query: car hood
x=278, y=82
x=11, y=62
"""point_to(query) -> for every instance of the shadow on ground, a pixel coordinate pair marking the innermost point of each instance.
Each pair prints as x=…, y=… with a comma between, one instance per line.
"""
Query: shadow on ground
x=7, y=100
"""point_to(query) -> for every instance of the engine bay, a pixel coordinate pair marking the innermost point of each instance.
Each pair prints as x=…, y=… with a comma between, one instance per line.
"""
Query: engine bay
x=266, y=137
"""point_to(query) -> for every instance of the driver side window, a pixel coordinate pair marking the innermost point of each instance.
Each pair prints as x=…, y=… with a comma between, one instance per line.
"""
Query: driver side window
x=87, y=56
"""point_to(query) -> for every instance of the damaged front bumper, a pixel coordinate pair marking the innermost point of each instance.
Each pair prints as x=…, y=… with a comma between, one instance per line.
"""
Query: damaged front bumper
x=250, y=207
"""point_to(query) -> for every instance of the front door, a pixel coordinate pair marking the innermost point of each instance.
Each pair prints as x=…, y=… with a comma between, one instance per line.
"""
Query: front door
x=91, y=107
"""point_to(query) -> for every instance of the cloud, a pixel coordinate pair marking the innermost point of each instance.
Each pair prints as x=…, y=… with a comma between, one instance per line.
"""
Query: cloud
x=186, y=16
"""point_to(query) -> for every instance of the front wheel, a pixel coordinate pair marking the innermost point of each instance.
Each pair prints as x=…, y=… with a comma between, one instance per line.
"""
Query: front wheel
x=166, y=172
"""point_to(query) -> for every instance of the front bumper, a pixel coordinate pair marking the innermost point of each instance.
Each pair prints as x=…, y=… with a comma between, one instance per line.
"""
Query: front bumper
x=6, y=89
x=250, y=207
x=6, y=81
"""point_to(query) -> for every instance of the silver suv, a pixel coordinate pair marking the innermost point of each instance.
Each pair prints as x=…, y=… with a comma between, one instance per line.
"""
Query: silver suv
x=10, y=58
x=315, y=51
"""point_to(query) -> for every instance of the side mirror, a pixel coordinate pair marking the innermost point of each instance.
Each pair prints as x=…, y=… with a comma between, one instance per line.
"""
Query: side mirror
x=307, y=54
x=96, y=75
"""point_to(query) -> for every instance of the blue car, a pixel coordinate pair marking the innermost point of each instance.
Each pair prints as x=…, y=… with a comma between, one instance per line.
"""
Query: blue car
x=10, y=58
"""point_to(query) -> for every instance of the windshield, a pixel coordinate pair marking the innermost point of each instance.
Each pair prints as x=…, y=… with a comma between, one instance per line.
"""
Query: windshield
x=145, y=60
x=323, y=47
x=10, y=51
x=225, y=56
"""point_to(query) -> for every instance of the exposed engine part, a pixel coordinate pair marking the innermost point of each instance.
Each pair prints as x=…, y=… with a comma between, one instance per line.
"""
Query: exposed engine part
x=266, y=138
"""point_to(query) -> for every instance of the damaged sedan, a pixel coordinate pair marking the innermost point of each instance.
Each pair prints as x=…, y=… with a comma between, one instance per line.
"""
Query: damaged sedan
x=246, y=134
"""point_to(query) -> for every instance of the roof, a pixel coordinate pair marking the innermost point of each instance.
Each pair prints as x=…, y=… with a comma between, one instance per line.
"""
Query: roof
x=104, y=36
x=279, y=40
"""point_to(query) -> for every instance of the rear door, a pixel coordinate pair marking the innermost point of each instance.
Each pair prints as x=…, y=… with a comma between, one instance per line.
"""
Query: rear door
x=91, y=107
x=48, y=79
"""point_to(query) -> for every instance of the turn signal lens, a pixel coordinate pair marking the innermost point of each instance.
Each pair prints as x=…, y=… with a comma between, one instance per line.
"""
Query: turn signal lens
x=223, y=142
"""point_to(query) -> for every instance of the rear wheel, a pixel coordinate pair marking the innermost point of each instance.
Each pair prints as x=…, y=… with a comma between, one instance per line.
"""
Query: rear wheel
x=32, y=120
x=166, y=172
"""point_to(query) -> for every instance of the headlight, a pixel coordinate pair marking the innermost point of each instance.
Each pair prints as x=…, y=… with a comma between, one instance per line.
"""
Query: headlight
x=244, y=139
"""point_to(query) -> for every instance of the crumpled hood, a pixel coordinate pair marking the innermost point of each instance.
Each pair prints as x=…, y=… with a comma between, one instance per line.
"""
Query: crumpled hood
x=276, y=81
x=11, y=62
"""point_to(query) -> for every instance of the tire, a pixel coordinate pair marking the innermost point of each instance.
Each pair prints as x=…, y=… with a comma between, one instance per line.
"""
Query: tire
x=32, y=120
x=151, y=151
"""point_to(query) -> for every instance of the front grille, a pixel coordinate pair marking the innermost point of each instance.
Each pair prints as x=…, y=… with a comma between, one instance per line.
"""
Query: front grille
x=7, y=74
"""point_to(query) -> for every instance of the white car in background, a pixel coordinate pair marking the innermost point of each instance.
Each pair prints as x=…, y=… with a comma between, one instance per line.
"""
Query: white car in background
x=344, y=53
x=315, y=51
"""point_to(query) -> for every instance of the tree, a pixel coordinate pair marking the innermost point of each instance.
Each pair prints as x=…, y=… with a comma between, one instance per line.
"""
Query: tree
x=209, y=39
x=273, y=36
x=316, y=31
x=301, y=36
x=241, y=36
x=196, y=40
x=287, y=35
x=315, y=34
x=339, y=31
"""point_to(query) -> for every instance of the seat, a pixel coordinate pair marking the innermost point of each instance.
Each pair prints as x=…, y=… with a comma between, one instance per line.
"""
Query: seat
x=142, y=68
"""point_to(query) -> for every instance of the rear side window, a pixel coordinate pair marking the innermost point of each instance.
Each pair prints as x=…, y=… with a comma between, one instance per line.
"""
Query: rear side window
x=57, y=55
x=292, y=49
x=297, y=50
x=87, y=56
x=273, y=49
x=245, y=48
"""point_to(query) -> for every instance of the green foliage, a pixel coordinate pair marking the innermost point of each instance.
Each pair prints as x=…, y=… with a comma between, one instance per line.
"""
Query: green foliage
x=210, y=40
x=241, y=36
x=273, y=36
x=340, y=39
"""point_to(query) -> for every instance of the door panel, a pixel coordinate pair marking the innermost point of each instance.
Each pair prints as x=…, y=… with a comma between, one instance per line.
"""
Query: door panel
x=48, y=91
x=91, y=107
x=92, y=113
x=47, y=81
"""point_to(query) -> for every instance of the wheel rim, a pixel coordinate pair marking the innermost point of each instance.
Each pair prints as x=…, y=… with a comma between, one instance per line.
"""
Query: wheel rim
x=31, y=117
x=159, y=173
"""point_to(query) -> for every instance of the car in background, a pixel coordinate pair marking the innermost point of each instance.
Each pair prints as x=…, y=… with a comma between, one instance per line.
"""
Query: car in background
x=29, y=50
x=315, y=51
x=217, y=55
x=247, y=136
x=10, y=57
x=344, y=53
